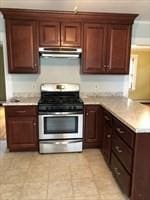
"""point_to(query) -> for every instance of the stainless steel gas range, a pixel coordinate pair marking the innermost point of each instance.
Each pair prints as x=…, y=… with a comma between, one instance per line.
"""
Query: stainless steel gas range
x=60, y=118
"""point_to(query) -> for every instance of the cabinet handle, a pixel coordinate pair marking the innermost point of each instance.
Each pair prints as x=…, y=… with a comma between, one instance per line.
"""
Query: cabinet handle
x=20, y=111
x=109, y=67
x=35, y=64
x=108, y=136
x=118, y=149
x=117, y=171
x=120, y=131
x=87, y=114
x=34, y=124
x=107, y=118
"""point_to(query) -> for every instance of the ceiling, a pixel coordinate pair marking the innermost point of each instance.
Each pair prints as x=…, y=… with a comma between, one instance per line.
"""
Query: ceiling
x=142, y=7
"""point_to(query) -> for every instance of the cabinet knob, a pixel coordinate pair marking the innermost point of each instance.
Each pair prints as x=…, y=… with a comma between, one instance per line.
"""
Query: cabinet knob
x=108, y=136
x=107, y=118
x=105, y=67
x=87, y=114
x=119, y=131
x=20, y=111
x=34, y=124
x=117, y=171
x=118, y=149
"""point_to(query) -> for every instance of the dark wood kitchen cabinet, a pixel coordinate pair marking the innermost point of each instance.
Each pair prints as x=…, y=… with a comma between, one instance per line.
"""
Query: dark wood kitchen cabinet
x=21, y=128
x=107, y=135
x=22, y=46
x=92, y=126
x=94, y=48
x=128, y=157
x=122, y=155
x=56, y=34
x=106, y=48
x=105, y=38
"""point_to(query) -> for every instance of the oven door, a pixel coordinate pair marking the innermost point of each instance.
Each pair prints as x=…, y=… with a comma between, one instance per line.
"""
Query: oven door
x=60, y=126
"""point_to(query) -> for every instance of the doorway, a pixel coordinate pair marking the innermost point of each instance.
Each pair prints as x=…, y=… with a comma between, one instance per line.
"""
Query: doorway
x=2, y=96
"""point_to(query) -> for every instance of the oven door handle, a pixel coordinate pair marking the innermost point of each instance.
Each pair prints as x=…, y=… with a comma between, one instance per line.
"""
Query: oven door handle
x=61, y=142
x=67, y=114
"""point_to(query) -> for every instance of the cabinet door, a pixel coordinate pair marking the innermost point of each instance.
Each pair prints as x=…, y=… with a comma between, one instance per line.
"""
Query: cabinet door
x=106, y=147
x=49, y=34
x=94, y=48
x=107, y=134
x=22, y=133
x=70, y=34
x=22, y=46
x=92, y=126
x=118, y=49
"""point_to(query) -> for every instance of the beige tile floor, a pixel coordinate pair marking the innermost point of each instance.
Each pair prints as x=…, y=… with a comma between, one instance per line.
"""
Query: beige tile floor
x=70, y=176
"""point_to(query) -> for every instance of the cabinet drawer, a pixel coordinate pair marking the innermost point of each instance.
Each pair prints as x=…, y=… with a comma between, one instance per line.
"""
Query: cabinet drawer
x=125, y=133
x=122, y=177
x=16, y=111
x=107, y=118
x=123, y=152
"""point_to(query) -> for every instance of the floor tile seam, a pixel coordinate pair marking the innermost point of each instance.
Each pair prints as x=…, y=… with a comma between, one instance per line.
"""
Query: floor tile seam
x=21, y=190
x=33, y=183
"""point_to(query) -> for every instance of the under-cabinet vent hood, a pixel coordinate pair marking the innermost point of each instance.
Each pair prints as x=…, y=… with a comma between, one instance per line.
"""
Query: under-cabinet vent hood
x=58, y=52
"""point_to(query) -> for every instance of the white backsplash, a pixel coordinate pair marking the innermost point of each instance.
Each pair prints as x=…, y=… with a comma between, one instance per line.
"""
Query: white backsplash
x=62, y=70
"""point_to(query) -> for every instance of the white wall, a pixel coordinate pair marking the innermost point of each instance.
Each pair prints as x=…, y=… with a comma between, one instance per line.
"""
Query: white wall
x=141, y=33
x=125, y=6
x=68, y=71
x=8, y=77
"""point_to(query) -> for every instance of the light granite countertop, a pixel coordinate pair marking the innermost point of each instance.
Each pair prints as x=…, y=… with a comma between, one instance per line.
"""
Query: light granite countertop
x=133, y=114
x=20, y=101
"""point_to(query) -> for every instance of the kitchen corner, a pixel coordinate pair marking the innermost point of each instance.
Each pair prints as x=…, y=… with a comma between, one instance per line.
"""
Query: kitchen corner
x=76, y=113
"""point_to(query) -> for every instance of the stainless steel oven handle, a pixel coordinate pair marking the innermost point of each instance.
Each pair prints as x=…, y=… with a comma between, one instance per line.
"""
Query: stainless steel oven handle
x=61, y=142
x=60, y=114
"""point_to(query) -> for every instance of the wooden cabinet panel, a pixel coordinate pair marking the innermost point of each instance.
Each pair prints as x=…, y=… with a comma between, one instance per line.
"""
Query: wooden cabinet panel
x=107, y=135
x=92, y=126
x=94, y=48
x=118, y=49
x=22, y=133
x=123, y=152
x=121, y=175
x=60, y=34
x=49, y=34
x=106, y=147
x=70, y=34
x=22, y=46
x=21, y=128
x=125, y=133
x=106, y=49
x=19, y=111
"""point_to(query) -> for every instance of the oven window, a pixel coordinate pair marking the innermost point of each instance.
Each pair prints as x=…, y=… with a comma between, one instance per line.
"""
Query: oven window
x=58, y=125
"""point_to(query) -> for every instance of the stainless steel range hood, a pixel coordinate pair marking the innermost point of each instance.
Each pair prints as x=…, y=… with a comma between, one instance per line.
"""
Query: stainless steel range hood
x=60, y=52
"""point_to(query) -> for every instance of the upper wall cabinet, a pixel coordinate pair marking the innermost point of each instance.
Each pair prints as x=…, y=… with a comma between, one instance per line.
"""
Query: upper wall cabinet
x=106, y=48
x=118, y=49
x=94, y=48
x=22, y=46
x=105, y=38
x=60, y=34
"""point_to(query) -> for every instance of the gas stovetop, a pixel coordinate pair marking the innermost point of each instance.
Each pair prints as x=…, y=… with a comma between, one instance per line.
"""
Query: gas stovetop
x=56, y=100
x=60, y=105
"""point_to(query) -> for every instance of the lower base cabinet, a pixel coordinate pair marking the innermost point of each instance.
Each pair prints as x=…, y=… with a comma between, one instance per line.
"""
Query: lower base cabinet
x=122, y=177
x=107, y=135
x=127, y=155
x=21, y=128
x=92, y=126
